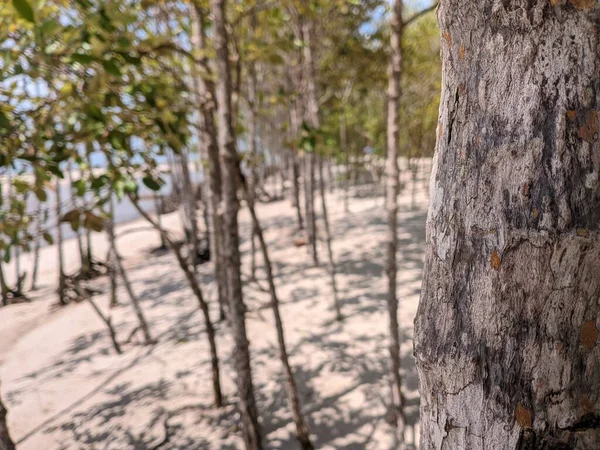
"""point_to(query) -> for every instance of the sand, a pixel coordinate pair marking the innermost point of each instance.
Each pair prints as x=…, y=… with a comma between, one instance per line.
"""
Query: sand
x=65, y=388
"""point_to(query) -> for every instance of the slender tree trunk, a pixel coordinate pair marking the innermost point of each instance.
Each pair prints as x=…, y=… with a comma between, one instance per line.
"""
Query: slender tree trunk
x=37, y=245
x=113, y=273
x=294, y=129
x=189, y=207
x=195, y=286
x=82, y=255
x=313, y=117
x=62, y=294
x=507, y=328
x=252, y=136
x=302, y=432
x=158, y=208
x=247, y=401
x=135, y=303
x=207, y=101
x=296, y=192
x=6, y=442
x=4, y=290
x=393, y=174
x=346, y=150
x=108, y=322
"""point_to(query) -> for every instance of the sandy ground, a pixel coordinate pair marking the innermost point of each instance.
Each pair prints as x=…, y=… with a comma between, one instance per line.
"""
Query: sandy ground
x=65, y=388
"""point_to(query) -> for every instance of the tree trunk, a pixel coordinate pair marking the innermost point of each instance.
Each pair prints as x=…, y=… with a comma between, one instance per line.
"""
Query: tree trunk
x=252, y=135
x=305, y=74
x=135, y=303
x=294, y=130
x=227, y=147
x=4, y=289
x=6, y=442
x=346, y=150
x=189, y=208
x=313, y=118
x=302, y=432
x=108, y=322
x=393, y=99
x=207, y=101
x=195, y=286
x=158, y=208
x=507, y=327
x=37, y=245
x=62, y=294
x=113, y=273
x=82, y=255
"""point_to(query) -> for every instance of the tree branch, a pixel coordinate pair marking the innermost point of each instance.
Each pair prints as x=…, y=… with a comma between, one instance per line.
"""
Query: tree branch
x=419, y=15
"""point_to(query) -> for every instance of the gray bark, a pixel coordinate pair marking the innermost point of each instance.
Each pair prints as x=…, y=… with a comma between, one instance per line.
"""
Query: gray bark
x=252, y=136
x=189, y=208
x=62, y=293
x=37, y=245
x=207, y=101
x=247, y=402
x=294, y=163
x=306, y=74
x=108, y=322
x=197, y=290
x=302, y=431
x=313, y=118
x=6, y=442
x=393, y=99
x=82, y=255
x=135, y=303
x=507, y=327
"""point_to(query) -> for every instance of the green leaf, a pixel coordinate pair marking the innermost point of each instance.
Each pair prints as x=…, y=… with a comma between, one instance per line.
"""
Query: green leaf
x=151, y=183
x=40, y=193
x=49, y=26
x=82, y=58
x=111, y=67
x=7, y=255
x=24, y=9
x=130, y=187
x=80, y=186
x=48, y=238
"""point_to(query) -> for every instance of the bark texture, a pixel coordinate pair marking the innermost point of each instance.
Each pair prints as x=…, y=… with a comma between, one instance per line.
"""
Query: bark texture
x=227, y=148
x=6, y=442
x=393, y=181
x=197, y=290
x=507, y=328
x=135, y=302
x=62, y=294
x=207, y=101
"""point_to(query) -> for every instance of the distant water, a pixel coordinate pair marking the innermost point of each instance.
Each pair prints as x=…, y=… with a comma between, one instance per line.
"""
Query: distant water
x=124, y=210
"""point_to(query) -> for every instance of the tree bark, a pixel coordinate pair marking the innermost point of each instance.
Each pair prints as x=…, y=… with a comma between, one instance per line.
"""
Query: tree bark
x=252, y=136
x=313, y=118
x=302, y=431
x=135, y=303
x=393, y=100
x=189, y=208
x=82, y=255
x=295, y=169
x=227, y=147
x=304, y=75
x=6, y=442
x=207, y=101
x=37, y=245
x=62, y=294
x=197, y=290
x=507, y=327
